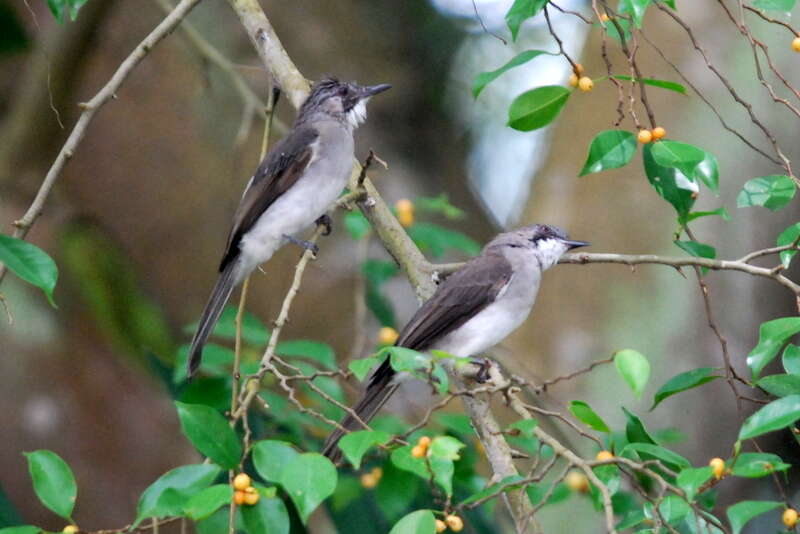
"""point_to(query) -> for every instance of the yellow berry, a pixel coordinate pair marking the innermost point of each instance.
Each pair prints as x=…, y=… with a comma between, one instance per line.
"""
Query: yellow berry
x=377, y=472
x=369, y=481
x=585, y=84
x=658, y=133
x=573, y=80
x=790, y=517
x=387, y=335
x=241, y=482
x=796, y=44
x=602, y=456
x=238, y=497
x=251, y=496
x=578, y=68
x=441, y=526
x=718, y=466
x=604, y=17
x=405, y=212
x=577, y=481
x=72, y=529
x=418, y=451
x=454, y=522
x=645, y=136
x=424, y=441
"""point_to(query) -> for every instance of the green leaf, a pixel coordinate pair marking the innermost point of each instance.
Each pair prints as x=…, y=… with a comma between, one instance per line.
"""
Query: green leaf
x=439, y=204
x=437, y=240
x=670, y=183
x=774, y=416
x=402, y=459
x=267, y=516
x=309, y=479
x=168, y=495
x=672, y=459
x=537, y=108
x=758, y=464
x=53, y=481
x=30, y=263
x=722, y=212
x=584, y=413
x=210, y=433
x=634, y=368
x=57, y=8
x=692, y=479
x=772, y=335
x=635, y=432
x=772, y=192
x=311, y=350
x=742, y=512
x=217, y=361
x=419, y=522
x=270, y=457
x=780, y=385
x=74, y=6
x=673, y=509
x=775, y=5
x=521, y=11
x=610, y=149
x=361, y=367
x=408, y=360
x=253, y=330
x=788, y=237
x=355, y=444
x=683, y=381
x=637, y=9
x=356, y=225
x=492, y=489
x=485, y=78
x=22, y=529
x=791, y=359
x=446, y=447
x=676, y=155
x=698, y=250
x=663, y=84
x=524, y=426
x=208, y=501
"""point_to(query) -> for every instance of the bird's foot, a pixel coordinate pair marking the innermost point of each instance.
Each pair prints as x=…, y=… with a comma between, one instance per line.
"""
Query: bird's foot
x=326, y=221
x=484, y=365
x=308, y=245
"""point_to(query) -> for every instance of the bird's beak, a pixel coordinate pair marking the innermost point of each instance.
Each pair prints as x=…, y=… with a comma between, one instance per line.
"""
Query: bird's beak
x=575, y=244
x=372, y=90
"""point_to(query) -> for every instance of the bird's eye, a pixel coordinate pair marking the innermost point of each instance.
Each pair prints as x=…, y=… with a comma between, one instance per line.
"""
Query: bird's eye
x=342, y=90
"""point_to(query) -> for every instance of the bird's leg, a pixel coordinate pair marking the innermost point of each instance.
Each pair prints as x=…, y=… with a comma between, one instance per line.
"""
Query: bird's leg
x=308, y=245
x=326, y=221
x=484, y=365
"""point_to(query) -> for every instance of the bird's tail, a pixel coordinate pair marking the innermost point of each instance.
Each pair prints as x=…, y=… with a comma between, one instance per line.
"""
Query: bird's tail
x=378, y=391
x=219, y=296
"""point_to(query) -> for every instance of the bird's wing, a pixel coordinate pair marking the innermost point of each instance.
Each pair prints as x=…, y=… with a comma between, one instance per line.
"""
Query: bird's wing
x=462, y=295
x=279, y=171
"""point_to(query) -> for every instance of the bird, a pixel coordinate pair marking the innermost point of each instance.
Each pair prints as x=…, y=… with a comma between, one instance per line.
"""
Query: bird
x=294, y=186
x=472, y=310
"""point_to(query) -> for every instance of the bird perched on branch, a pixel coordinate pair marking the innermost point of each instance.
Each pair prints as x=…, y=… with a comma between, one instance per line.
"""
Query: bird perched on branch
x=299, y=179
x=475, y=308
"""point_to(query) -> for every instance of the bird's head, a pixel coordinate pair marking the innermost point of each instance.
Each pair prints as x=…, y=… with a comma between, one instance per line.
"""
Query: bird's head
x=542, y=243
x=344, y=101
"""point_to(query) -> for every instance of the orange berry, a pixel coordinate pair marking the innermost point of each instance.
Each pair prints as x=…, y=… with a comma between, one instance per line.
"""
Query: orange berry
x=387, y=335
x=577, y=481
x=796, y=44
x=644, y=136
x=441, y=526
x=251, y=496
x=658, y=133
x=718, y=465
x=604, y=17
x=241, y=482
x=790, y=517
x=405, y=212
x=418, y=451
x=602, y=456
x=578, y=68
x=454, y=522
x=377, y=472
x=72, y=529
x=573, y=80
x=585, y=84
x=424, y=441
x=369, y=481
x=238, y=497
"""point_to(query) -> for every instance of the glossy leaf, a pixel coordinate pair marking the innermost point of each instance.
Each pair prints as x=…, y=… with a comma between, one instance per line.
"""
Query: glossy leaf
x=663, y=84
x=492, y=489
x=670, y=183
x=772, y=192
x=537, y=108
x=22, y=529
x=683, y=381
x=673, y=509
x=610, y=149
x=355, y=444
x=30, y=263
x=635, y=431
x=208, y=501
x=210, y=433
x=53, y=481
x=772, y=335
x=788, y=237
x=522, y=10
x=791, y=359
x=692, y=479
x=774, y=416
x=524, y=426
x=757, y=464
x=267, y=516
x=309, y=479
x=676, y=155
x=634, y=368
x=407, y=360
x=775, y=5
x=722, y=212
x=271, y=456
x=672, y=459
x=356, y=225
x=637, y=9
x=402, y=459
x=440, y=204
x=253, y=330
x=446, y=447
x=707, y=171
x=361, y=367
x=698, y=250
x=485, y=78
x=437, y=240
x=419, y=522
x=168, y=495
x=310, y=350
x=742, y=512
x=584, y=413
x=780, y=385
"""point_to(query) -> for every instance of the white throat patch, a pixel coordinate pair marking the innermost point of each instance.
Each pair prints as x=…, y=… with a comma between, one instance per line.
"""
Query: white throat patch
x=549, y=251
x=358, y=113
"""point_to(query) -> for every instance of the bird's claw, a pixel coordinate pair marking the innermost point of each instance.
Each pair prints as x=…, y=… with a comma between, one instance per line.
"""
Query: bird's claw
x=483, y=364
x=307, y=245
x=326, y=221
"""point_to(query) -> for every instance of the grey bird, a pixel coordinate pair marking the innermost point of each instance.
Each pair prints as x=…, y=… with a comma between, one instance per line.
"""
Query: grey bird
x=298, y=181
x=475, y=308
